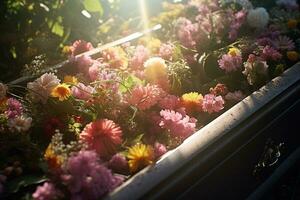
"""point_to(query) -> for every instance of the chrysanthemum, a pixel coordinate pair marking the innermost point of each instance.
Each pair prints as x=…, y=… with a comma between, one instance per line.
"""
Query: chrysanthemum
x=177, y=124
x=20, y=123
x=41, y=88
x=269, y=53
x=144, y=97
x=192, y=102
x=72, y=80
x=61, y=91
x=82, y=92
x=139, y=156
x=103, y=136
x=234, y=52
x=14, y=108
x=86, y=178
x=231, y=61
x=212, y=103
x=166, y=51
x=140, y=55
x=171, y=102
x=284, y=43
x=80, y=46
x=47, y=191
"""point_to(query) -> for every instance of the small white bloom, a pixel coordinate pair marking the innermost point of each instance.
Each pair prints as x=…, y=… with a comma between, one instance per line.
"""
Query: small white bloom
x=258, y=18
x=20, y=123
x=3, y=90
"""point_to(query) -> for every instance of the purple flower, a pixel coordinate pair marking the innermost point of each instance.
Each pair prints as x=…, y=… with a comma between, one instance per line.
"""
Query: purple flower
x=14, y=108
x=119, y=164
x=86, y=178
x=269, y=53
x=238, y=20
x=46, y=192
x=177, y=124
x=284, y=43
x=230, y=63
x=212, y=103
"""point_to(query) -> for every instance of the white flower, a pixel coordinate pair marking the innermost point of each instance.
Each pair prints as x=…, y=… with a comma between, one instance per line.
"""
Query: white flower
x=20, y=123
x=3, y=90
x=41, y=88
x=258, y=18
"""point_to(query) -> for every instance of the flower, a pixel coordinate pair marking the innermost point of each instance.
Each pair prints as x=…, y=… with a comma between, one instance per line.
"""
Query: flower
x=234, y=52
x=41, y=88
x=46, y=192
x=177, y=124
x=192, y=102
x=293, y=55
x=171, y=102
x=237, y=22
x=186, y=32
x=156, y=71
x=212, y=103
x=219, y=89
x=61, y=91
x=51, y=125
x=118, y=163
x=54, y=161
x=256, y=70
x=166, y=51
x=284, y=43
x=20, y=123
x=103, y=136
x=83, y=63
x=140, y=55
x=3, y=90
x=14, y=108
x=144, y=97
x=159, y=149
x=139, y=156
x=258, y=18
x=230, y=62
x=71, y=80
x=80, y=46
x=80, y=91
x=115, y=57
x=270, y=53
x=86, y=178
x=235, y=96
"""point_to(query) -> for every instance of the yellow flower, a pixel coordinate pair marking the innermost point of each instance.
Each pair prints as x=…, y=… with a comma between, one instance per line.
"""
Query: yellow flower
x=234, y=52
x=140, y=155
x=54, y=161
x=293, y=55
x=192, y=101
x=292, y=23
x=66, y=50
x=61, y=91
x=72, y=80
x=153, y=44
x=155, y=69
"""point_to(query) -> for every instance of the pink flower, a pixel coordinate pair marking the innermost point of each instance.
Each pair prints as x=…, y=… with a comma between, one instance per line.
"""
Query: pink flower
x=159, y=149
x=80, y=91
x=171, y=102
x=270, y=53
x=166, y=51
x=94, y=71
x=119, y=164
x=83, y=64
x=284, y=43
x=46, y=192
x=237, y=22
x=103, y=135
x=212, y=103
x=140, y=55
x=177, y=124
x=20, y=123
x=186, y=32
x=14, y=108
x=144, y=97
x=86, y=178
x=230, y=63
x=80, y=46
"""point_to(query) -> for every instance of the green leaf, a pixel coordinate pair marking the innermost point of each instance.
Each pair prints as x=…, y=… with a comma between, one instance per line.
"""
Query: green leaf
x=129, y=83
x=24, y=181
x=93, y=6
x=58, y=29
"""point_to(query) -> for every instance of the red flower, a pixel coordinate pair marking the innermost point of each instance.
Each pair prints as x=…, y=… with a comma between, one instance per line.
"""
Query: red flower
x=103, y=136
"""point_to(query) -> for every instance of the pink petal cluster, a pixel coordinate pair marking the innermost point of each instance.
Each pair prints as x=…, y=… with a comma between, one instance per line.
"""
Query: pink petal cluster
x=230, y=63
x=186, y=32
x=166, y=51
x=83, y=63
x=269, y=53
x=80, y=46
x=159, y=149
x=47, y=191
x=119, y=164
x=140, y=55
x=212, y=103
x=103, y=136
x=86, y=178
x=144, y=97
x=80, y=91
x=177, y=124
x=14, y=108
x=170, y=102
x=238, y=20
x=284, y=43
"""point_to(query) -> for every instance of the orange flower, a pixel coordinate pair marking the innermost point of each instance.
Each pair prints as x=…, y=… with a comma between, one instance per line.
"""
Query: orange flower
x=292, y=23
x=140, y=155
x=61, y=91
x=54, y=161
x=192, y=101
x=293, y=55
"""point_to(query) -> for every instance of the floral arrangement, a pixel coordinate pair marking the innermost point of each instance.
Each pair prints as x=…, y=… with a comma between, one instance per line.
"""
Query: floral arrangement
x=81, y=131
